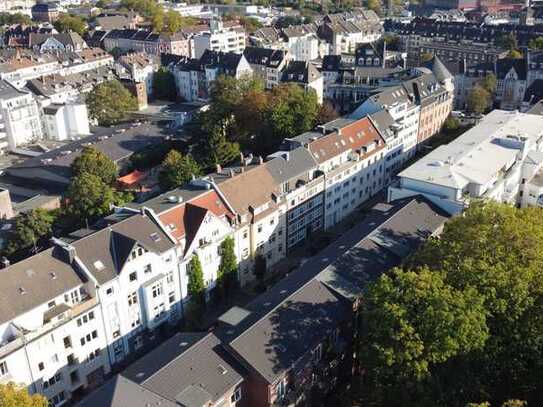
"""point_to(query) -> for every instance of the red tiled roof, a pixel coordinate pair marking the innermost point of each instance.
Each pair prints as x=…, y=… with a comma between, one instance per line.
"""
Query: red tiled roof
x=351, y=137
x=185, y=219
x=132, y=178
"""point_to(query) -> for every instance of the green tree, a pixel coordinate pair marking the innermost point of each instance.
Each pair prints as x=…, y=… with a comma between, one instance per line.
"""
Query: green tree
x=67, y=22
x=375, y=5
x=425, y=57
x=327, y=113
x=177, y=170
x=463, y=319
x=89, y=198
x=451, y=124
x=164, y=85
x=95, y=162
x=536, y=43
x=218, y=149
x=227, y=274
x=489, y=83
x=110, y=102
x=12, y=395
x=31, y=229
x=478, y=100
x=414, y=320
x=17, y=18
x=195, y=286
x=292, y=111
x=507, y=41
x=515, y=53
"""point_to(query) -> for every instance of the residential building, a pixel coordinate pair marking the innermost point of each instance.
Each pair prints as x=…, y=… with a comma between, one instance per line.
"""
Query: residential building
x=45, y=11
x=497, y=159
x=306, y=75
x=471, y=53
x=146, y=41
x=396, y=113
x=302, y=42
x=344, y=31
x=194, y=77
x=64, y=42
x=220, y=39
x=138, y=67
x=267, y=64
x=350, y=155
x=20, y=117
x=305, y=315
x=64, y=122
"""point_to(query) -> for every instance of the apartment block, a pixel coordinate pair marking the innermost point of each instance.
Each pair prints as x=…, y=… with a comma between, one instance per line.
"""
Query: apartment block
x=498, y=159
x=289, y=343
x=193, y=77
x=20, y=116
x=267, y=64
x=219, y=38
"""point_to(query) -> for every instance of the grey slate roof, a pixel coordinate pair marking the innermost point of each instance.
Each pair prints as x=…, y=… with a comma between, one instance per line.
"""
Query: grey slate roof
x=122, y=392
x=278, y=341
x=299, y=163
x=363, y=253
x=8, y=91
x=438, y=68
x=185, y=369
x=112, y=246
x=35, y=281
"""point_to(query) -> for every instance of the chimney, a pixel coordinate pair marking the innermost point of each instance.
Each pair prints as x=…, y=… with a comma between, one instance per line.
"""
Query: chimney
x=260, y=160
x=218, y=168
x=241, y=159
x=231, y=173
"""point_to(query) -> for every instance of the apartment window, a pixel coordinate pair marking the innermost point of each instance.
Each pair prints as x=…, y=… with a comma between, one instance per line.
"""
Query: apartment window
x=272, y=221
x=138, y=342
x=147, y=269
x=109, y=291
x=67, y=342
x=133, y=276
x=132, y=298
x=245, y=253
x=245, y=234
x=51, y=304
x=57, y=399
x=3, y=368
x=236, y=396
x=259, y=228
x=156, y=290
x=169, y=277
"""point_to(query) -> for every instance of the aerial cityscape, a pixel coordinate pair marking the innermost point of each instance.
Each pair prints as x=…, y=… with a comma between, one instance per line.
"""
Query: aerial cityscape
x=271, y=203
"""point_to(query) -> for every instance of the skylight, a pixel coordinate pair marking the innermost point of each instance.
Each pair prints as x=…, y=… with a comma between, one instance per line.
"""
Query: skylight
x=155, y=237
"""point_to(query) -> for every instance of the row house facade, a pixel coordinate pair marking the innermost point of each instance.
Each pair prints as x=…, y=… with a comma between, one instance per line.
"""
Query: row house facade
x=193, y=77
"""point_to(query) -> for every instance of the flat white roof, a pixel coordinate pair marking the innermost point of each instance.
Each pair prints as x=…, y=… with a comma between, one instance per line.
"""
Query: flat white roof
x=477, y=155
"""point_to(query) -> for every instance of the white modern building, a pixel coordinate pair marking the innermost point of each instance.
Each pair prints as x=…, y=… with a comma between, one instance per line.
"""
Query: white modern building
x=20, y=116
x=219, y=38
x=396, y=114
x=498, y=159
x=65, y=121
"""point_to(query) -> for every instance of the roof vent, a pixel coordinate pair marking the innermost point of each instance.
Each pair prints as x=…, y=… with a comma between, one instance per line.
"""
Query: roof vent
x=154, y=237
x=98, y=265
x=53, y=275
x=222, y=370
x=22, y=291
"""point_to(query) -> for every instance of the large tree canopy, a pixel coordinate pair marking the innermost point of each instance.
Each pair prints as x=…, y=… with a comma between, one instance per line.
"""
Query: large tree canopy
x=110, y=102
x=93, y=161
x=463, y=320
x=12, y=395
x=177, y=170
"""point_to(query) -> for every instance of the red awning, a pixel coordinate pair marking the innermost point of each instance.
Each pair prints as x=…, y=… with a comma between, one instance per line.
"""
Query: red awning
x=132, y=178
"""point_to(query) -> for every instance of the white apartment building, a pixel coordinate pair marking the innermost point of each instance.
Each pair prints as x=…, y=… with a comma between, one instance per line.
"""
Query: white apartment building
x=302, y=43
x=219, y=38
x=20, y=116
x=267, y=64
x=498, y=159
x=138, y=67
x=64, y=121
x=396, y=115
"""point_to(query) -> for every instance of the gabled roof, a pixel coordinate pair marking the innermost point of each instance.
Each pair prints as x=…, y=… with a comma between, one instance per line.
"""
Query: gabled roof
x=122, y=392
x=105, y=252
x=186, y=368
x=34, y=281
x=253, y=187
x=438, y=68
x=264, y=56
x=503, y=66
x=300, y=72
